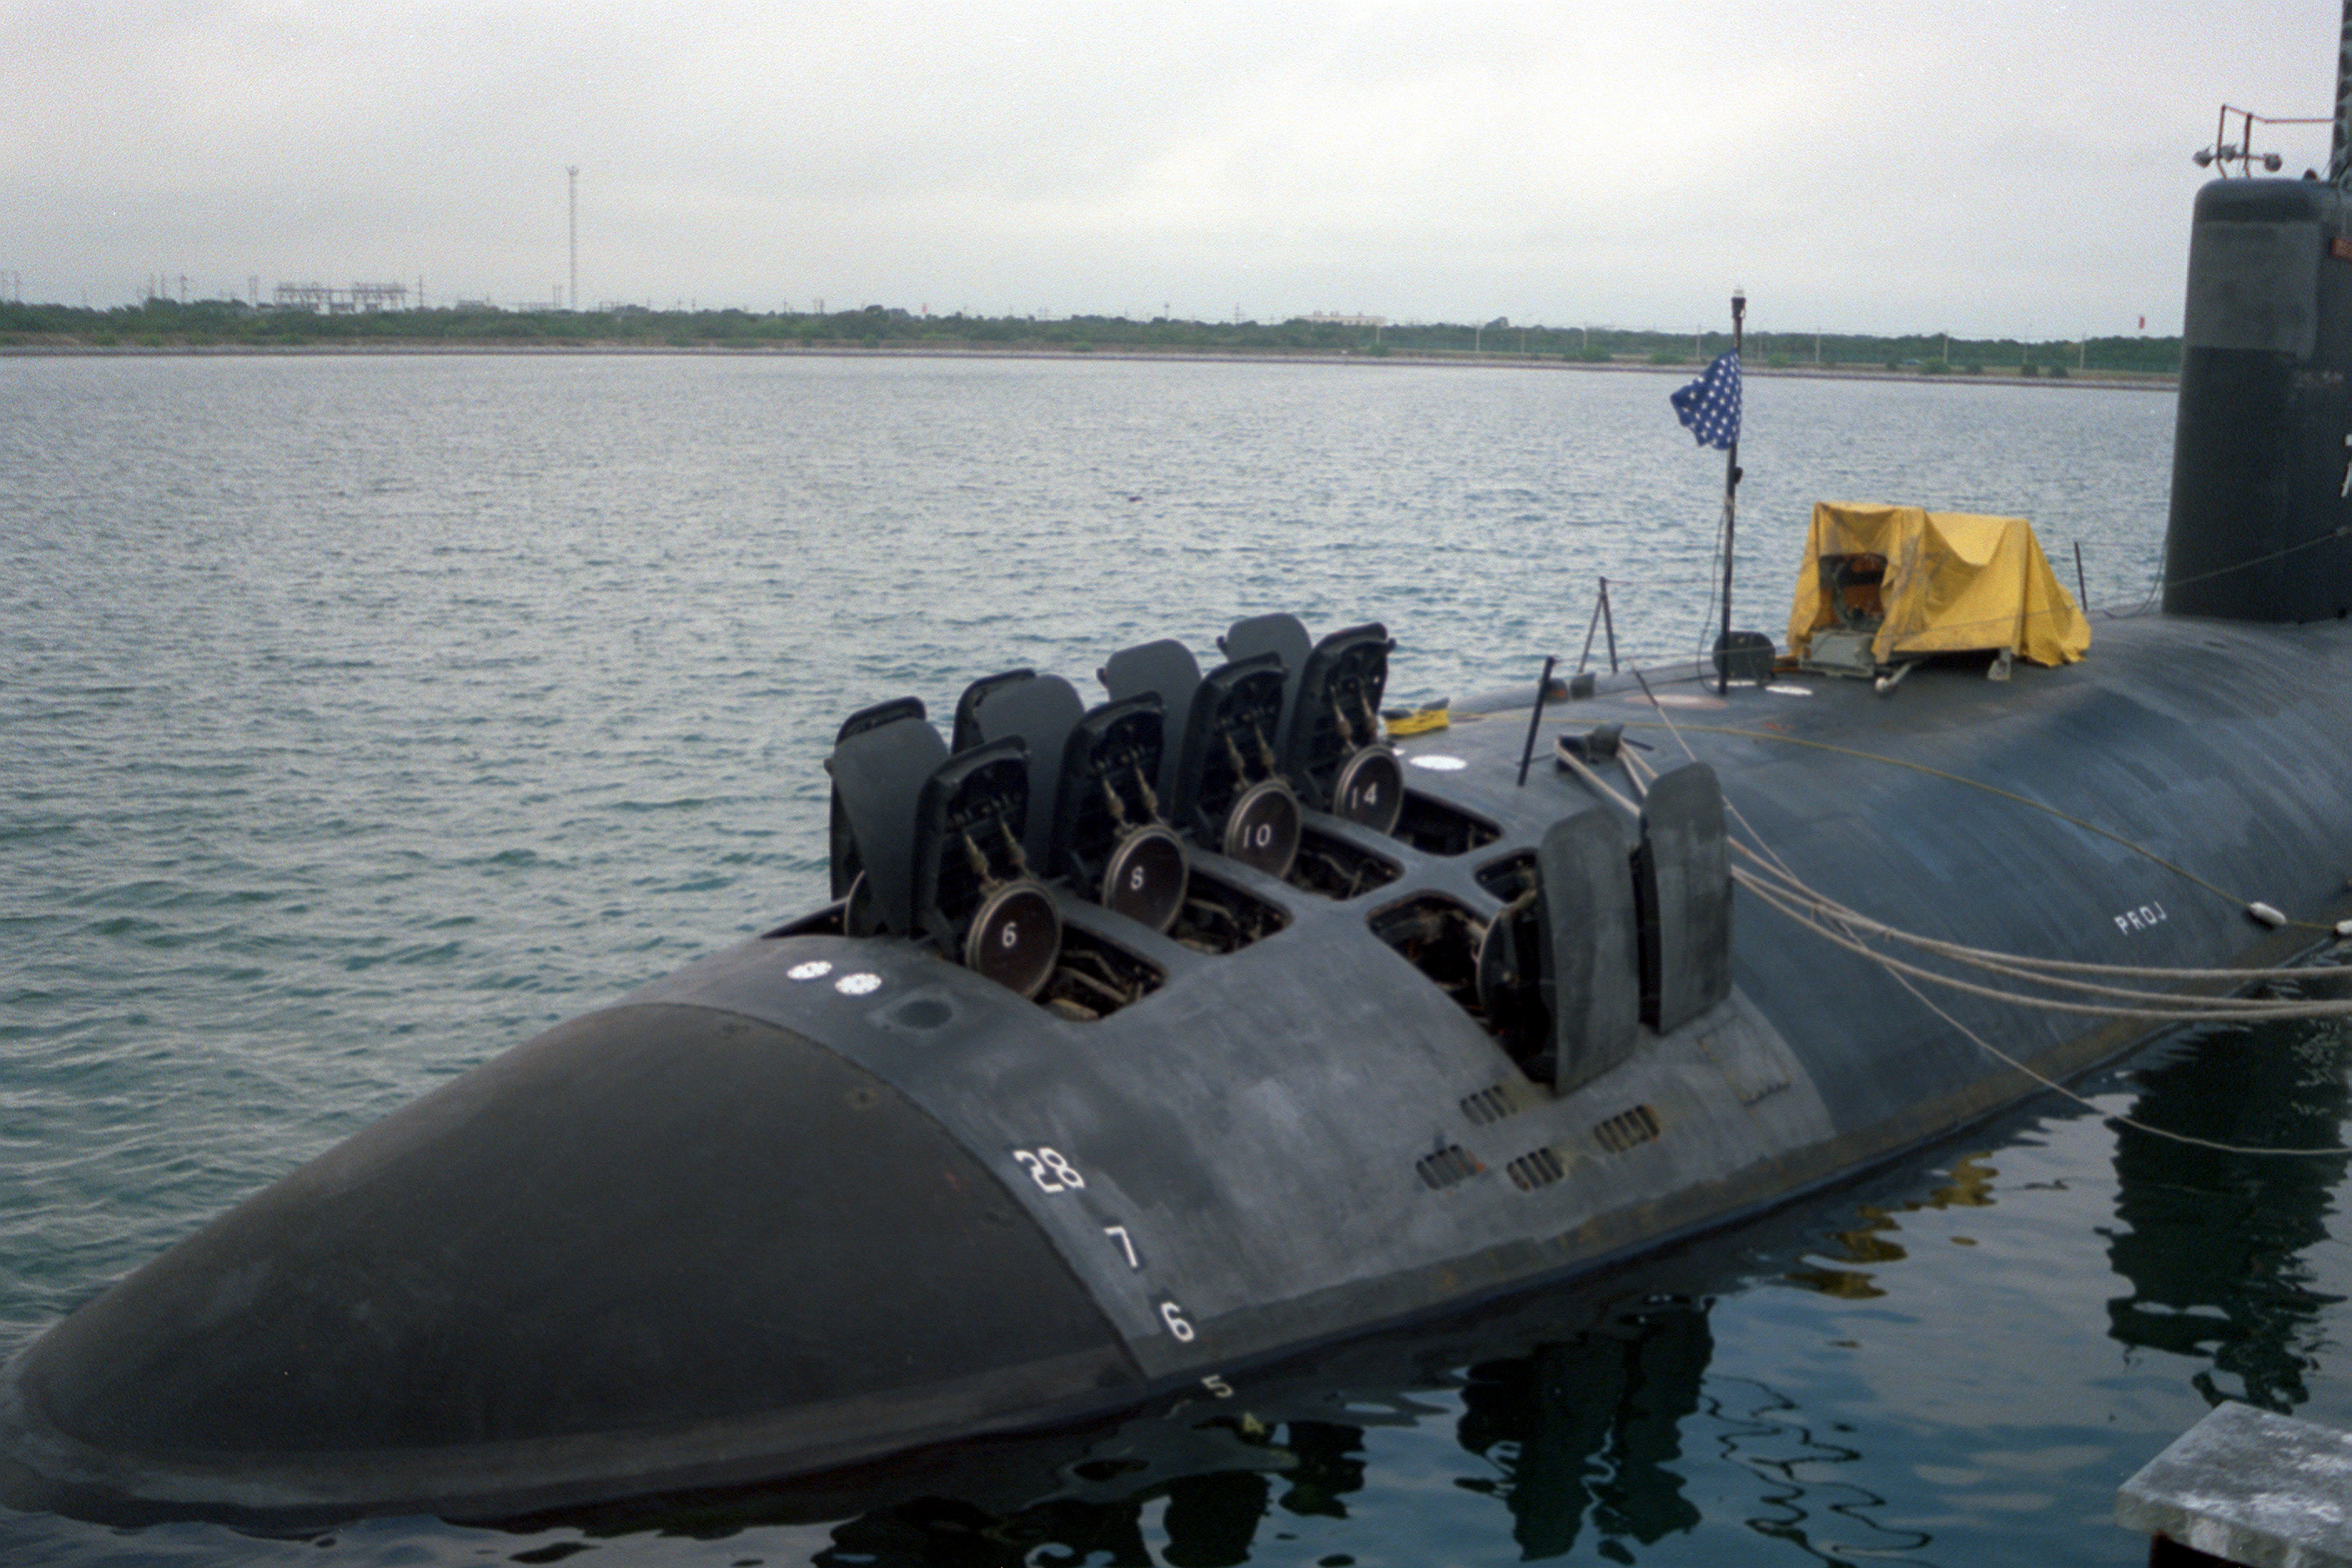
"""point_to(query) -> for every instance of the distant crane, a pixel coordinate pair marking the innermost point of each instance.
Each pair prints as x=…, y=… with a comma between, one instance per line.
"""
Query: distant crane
x=573, y=171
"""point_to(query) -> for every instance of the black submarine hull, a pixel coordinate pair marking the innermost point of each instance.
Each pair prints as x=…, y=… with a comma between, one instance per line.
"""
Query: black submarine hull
x=820, y=1199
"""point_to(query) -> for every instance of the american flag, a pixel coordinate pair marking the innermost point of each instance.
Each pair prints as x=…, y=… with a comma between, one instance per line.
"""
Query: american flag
x=1709, y=406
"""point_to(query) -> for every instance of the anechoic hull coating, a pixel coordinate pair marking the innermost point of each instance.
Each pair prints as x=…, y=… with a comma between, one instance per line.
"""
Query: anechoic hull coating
x=748, y=1224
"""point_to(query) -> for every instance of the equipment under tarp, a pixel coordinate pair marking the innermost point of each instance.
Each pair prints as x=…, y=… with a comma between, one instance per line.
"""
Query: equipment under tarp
x=1916, y=582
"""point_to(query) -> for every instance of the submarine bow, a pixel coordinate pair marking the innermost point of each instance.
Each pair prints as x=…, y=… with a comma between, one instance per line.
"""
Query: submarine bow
x=655, y=1229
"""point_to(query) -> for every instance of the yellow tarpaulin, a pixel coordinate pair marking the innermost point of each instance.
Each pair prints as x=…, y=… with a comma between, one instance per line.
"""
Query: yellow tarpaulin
x=1954, y=583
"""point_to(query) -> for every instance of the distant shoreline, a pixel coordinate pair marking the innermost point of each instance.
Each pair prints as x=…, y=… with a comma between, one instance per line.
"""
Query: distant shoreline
x=2152, y=381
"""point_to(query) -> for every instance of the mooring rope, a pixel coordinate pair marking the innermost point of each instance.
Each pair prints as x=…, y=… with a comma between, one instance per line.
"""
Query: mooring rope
x=2342, y=531
x=1792, y=897
x=1762, y=852
x=2143, y=1005
x=1807, y=904
x=2140, y=849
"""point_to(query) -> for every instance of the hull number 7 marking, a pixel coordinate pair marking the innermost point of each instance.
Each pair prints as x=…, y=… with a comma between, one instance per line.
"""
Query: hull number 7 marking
x=1126, y=1244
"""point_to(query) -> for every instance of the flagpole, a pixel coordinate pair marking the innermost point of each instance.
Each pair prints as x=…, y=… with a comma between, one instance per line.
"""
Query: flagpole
x=1730, y=512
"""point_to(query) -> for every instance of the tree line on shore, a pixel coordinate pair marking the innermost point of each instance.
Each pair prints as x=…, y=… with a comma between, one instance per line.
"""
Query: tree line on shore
x=163, y=323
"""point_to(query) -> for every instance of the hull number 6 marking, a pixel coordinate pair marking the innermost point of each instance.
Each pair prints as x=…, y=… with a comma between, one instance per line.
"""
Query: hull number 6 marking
x=1049, y=1170
x=1178, y=1324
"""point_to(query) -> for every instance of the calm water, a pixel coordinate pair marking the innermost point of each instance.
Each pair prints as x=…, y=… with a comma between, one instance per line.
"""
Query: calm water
x=363, y=718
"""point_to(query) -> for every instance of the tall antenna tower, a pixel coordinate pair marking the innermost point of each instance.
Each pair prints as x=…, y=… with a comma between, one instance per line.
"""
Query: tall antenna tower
x=2339, y=160
x=573, y=171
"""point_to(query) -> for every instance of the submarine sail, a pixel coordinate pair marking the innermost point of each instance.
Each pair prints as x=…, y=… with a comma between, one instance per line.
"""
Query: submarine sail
x=2262, y=463
x=2261, y=466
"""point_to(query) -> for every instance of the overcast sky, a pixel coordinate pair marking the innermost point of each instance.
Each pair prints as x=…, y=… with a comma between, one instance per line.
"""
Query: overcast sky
x=1996, y=168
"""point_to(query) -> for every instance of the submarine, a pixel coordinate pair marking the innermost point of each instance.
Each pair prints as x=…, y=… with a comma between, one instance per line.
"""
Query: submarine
x=1153, y=1032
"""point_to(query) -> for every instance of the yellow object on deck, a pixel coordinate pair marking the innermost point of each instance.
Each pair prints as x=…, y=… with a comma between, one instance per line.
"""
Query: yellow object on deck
x=1420, y=722
x=1940, y=582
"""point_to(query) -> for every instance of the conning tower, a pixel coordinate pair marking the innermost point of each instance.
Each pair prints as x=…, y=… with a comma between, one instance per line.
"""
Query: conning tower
x=2262, y=468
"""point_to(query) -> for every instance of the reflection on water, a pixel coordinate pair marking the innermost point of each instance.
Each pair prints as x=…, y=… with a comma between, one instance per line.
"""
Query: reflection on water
x=2212, y=1243
x=1806, y=1498
x=1591, y=1428
x=1969, y=1186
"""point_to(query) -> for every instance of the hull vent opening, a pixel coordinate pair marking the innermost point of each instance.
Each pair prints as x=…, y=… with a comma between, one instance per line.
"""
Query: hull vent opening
x=1627, y=1130
x=1449, y=1166
x=1434, y=827
x=1508, y=877
x=1539, y=1169
x=1439, y=938
x=1487, y=967
x=1094, y=978
x=1493, y=1103
x=1218, y=917
x=1338, y=870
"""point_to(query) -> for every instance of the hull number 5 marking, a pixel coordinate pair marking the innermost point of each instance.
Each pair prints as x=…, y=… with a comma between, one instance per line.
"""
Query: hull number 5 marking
x=1049, y=1170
